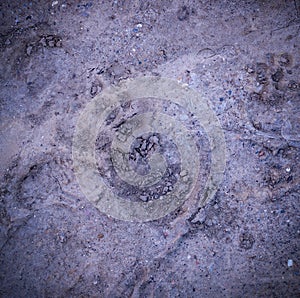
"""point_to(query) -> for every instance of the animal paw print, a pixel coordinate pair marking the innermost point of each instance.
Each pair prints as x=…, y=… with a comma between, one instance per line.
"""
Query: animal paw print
x=273, y=78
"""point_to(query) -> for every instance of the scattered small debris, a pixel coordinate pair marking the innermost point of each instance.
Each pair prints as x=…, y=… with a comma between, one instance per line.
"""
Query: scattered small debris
x=261, y=71
x=246, y=240
x=290, y=263
x=183, y=13
x=249, y=68
x=292, y=85
x=61, y=237
x=255, y=96
x=257, y=125
x=51, y=41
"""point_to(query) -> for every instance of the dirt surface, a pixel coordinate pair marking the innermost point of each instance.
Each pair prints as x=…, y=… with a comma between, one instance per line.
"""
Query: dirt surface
x=241, y=57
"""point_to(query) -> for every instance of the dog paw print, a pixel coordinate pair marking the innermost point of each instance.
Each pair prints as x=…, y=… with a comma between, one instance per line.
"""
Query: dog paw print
x=273, y=78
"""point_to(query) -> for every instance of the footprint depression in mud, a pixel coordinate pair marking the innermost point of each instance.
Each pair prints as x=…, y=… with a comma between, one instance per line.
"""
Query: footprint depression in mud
x=143, y=148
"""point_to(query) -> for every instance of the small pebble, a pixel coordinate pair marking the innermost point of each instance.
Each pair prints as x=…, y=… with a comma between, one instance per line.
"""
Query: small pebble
x=155, y=140
x=100, y=236
x=183, y=173
x=249, y=69
x=29, y=50
x=290, y=263
x=144, y=198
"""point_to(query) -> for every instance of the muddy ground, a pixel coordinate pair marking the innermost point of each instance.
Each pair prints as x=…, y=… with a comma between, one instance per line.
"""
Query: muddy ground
x=242, y=57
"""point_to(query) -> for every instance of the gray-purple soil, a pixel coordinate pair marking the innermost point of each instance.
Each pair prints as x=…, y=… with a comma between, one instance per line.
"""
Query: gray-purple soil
x=242, y=56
